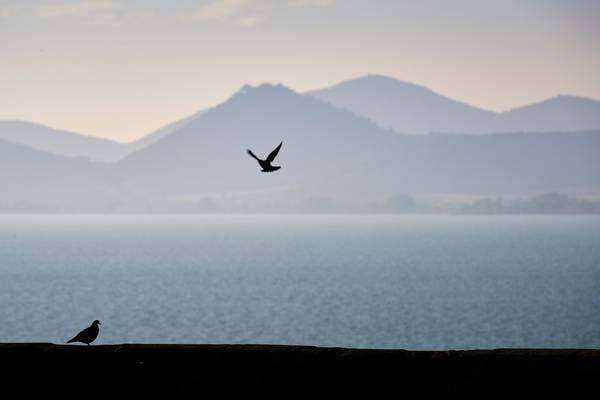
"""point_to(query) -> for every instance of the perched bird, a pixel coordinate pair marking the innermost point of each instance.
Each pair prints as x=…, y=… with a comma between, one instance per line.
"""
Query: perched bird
x=88, y=335
x=266, y=163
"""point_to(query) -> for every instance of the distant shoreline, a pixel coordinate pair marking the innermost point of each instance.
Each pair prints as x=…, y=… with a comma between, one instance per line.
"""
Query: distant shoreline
x=299, y=214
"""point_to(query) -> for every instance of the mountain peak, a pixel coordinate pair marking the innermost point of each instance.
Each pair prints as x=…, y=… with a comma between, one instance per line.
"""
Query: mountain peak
x=264, y=88
x=571, y=98
x=561, y=100
x=377, y=82
x=375, y=77
x=265, y=94
x=403, y=106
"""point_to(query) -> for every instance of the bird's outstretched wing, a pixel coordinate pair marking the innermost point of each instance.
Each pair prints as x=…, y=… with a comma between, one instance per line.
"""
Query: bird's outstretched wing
x=273, y=154
x=252, y=155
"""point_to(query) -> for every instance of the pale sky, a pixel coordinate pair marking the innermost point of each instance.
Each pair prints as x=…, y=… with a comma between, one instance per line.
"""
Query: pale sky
x=122, y=68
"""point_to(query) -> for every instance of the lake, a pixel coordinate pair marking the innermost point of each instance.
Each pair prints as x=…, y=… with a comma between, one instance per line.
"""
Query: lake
x=385, y=281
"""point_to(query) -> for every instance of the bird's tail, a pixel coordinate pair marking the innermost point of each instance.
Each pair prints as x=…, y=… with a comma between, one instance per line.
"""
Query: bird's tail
x=252, y=155
x=71, y=341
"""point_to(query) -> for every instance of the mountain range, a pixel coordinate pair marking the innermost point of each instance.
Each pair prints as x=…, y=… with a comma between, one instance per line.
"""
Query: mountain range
x=413, y=109
x=390, y=103
x=332, y=160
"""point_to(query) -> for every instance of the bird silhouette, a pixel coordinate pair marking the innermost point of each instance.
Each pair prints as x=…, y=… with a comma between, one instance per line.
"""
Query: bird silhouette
x=88, y=335
x=266, y=163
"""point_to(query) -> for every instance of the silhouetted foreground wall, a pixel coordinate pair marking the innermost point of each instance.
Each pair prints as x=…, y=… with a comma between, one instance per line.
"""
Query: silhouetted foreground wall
x=289, y=370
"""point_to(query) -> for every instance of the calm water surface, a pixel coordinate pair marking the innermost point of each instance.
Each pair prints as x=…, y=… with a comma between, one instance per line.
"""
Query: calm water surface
x=416, y=282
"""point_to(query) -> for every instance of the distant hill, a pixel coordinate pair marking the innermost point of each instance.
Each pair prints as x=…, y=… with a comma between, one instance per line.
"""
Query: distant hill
x=208, y=156
x=27, y=165
x=560, y=114
x=71, y=144
x=413, y=109
x=36, y=181
x=61, y=142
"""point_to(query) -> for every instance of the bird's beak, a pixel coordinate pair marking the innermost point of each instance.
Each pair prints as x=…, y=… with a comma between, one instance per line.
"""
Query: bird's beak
x=99, y=323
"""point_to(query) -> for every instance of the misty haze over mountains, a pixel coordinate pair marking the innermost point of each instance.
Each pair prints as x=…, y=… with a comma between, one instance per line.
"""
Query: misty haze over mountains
x=333, y=159
x=392, y=104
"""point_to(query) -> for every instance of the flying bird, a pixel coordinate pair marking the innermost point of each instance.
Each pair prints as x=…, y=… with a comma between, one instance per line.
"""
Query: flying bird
x=88, y=335
x=266, y=163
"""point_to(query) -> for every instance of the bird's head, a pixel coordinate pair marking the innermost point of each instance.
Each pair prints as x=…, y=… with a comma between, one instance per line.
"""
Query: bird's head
x=96, y=322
